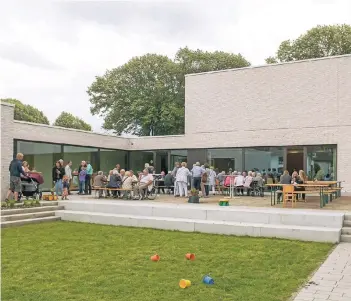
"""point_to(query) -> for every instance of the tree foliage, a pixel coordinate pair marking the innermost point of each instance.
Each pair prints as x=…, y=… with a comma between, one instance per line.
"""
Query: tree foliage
x=320, y=41
x=146, y=95
x=67, y=120
x=27, y=113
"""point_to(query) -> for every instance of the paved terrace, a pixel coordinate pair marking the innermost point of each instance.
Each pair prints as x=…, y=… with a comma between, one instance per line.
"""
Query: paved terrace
x=312, y=202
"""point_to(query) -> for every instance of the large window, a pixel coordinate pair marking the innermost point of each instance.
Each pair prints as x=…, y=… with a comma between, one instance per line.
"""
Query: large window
x=41, y=158
x=110, y=158
x=137, y=159
x=264, y=158
x=178, y=156
x=77, y=154
x=321, y=162
x=224, y=159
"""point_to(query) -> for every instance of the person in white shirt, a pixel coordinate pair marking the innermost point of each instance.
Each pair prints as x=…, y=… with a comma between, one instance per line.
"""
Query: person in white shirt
x=239, y=182
x=182, y=179
x=145, y=182
x=68, y=174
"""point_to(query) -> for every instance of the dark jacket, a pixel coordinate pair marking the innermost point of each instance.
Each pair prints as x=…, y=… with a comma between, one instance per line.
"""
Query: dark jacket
x=57, y=176
x=115, y=181
x=168, y=180
x=15, y=168
x=285, y=179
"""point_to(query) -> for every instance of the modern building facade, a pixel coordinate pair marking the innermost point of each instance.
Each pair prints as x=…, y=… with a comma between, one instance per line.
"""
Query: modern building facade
x=295, y=115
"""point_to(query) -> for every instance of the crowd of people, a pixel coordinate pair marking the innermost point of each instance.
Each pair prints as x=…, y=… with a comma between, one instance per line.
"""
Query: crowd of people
x=179, y=181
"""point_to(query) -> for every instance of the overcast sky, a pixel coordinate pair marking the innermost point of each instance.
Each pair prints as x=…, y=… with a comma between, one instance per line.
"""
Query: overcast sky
x=50, y=52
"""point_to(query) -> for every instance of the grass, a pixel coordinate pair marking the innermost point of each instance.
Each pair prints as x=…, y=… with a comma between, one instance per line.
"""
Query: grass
x=77, y=261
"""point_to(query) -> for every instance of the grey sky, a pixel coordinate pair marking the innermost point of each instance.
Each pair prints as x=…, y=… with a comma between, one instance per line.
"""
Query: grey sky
x=50, y=52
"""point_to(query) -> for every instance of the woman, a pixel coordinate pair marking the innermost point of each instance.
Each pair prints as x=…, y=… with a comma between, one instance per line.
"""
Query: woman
x=182, y=179
x=300, y=179
x=57, y=175
x=25, y=166
x=212, y=179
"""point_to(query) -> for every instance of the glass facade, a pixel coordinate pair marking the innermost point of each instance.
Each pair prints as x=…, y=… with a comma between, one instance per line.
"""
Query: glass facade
x=77, y=154
x=109, y=158
x=319, y=161
x=265, y=158
x=41, y=158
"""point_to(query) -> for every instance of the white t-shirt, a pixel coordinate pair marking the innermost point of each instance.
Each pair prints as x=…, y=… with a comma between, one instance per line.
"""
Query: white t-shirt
x=146, y=179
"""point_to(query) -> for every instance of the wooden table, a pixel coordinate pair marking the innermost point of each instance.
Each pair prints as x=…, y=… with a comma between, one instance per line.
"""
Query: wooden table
x=320, y=186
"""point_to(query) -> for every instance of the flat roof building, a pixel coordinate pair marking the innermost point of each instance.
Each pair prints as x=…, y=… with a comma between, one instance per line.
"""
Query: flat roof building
x=285, y=116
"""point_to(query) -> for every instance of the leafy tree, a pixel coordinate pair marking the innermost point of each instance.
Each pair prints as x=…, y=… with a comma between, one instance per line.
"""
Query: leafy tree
x=27, y=113
x=139, y=97
x=146, y=95
x=67, y=120
x=320, y=41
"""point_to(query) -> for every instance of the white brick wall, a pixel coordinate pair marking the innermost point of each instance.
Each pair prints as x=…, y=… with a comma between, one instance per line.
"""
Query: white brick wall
x=7, y=129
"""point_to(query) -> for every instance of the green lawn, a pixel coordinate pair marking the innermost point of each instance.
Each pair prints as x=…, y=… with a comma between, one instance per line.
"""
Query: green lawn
x=76, y=261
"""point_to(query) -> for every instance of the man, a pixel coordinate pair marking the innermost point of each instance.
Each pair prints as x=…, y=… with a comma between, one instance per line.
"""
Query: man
x=174, y=174
x=145, y=182
x=16, y=170
x=169, y=182
x=88, y=178
x=68, y=173
x=197, y=172
x=118, y=167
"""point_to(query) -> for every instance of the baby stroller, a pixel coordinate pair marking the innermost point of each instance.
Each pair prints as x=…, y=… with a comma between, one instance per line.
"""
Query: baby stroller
x=30, y=186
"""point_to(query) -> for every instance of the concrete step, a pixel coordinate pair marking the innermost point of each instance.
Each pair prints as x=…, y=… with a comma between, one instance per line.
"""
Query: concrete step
x=276, y=216
x=17, y=217
x=347, y=217
x=345, y=238
x=321, y=234
x=347, y=223
x=30, y=210
x=346, y=230
x=9, y=224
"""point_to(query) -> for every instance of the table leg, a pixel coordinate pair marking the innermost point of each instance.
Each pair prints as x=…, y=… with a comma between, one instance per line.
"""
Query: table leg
x=271, y=196
x=274, y=191
x=321, y=197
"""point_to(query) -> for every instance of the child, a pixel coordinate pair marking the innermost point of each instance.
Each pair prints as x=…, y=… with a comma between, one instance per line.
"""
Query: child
x=65, y=185
x=82, y=176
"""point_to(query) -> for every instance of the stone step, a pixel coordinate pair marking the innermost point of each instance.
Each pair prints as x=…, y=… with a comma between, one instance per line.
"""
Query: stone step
x=347, y=217
x=17, y=217
x=29, y=221
x=276, y=216
x=345, y=238
x=30, y=210
x=347, y=223
x=320, y=234
x=346, y=230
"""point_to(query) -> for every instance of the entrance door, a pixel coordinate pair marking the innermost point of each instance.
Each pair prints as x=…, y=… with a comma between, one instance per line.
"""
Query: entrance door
x=295, y=159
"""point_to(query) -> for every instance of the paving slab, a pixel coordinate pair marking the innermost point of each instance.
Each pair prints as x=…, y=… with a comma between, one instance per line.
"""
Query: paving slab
x=332, y=281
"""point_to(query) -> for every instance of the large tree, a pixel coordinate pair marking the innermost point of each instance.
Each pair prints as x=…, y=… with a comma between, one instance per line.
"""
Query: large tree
x=146, y=95
x=27, y=113
x=67, y=120
x=320, y=41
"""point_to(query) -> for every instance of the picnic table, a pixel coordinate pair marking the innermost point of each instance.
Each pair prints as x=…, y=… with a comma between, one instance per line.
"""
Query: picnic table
x=321, y=187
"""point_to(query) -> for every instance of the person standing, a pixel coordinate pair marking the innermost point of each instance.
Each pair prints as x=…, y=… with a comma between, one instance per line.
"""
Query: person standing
x=197, y=172
x=174, y=174
x=182, y=180
x=68, y=173
x=88, y=178
x=57, y=175
x=16, y=170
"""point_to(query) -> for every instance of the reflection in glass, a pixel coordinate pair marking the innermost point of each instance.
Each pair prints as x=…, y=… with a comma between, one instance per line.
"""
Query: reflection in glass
x=321, y=162
x=41, y=157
